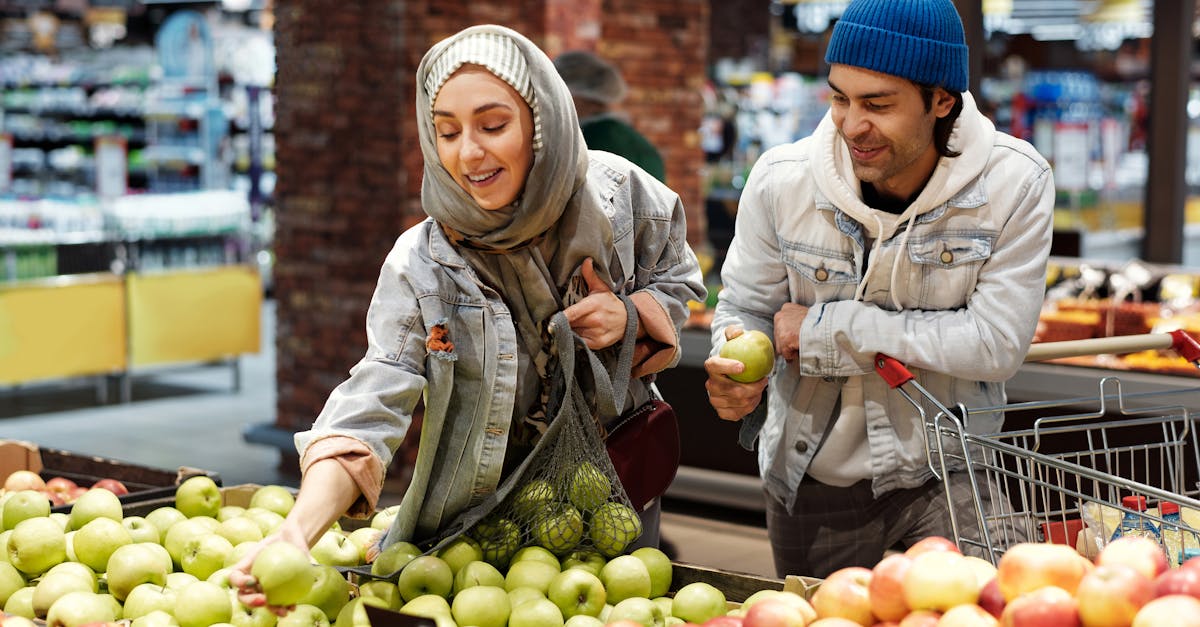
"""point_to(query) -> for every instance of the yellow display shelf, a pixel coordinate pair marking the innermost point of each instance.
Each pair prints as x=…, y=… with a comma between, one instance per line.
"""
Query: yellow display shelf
x=62, y=327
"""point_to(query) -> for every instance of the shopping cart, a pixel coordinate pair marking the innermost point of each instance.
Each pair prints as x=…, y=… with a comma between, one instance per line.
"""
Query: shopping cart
x=1063, y=479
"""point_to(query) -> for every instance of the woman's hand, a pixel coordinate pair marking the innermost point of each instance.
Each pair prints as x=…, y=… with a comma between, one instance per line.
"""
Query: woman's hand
x=249, y=592
x=600, y=317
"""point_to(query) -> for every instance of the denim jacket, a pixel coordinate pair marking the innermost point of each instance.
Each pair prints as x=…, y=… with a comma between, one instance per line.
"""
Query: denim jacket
x=469, y=391
x=952, y=290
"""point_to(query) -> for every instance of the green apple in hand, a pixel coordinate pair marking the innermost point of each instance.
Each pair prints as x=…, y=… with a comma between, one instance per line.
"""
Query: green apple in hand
x=23, y=505
x=756, y=352
x=284, y=573
x=625, y=576
x=577, y=591
x=613, y=527
x=425, y=574
x=659, y=566
x=477, y=573
x=135, y=564
x=35, y=545
x=198, y=495
x=201, y=604
x=698, y=601
x=481, y=606
x=95, y=503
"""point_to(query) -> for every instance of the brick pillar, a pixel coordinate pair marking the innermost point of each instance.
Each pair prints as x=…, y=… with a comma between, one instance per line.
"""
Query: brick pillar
x=349, y=172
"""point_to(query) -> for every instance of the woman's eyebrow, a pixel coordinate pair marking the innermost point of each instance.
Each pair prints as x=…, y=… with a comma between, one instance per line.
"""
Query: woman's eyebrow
x=480, y=109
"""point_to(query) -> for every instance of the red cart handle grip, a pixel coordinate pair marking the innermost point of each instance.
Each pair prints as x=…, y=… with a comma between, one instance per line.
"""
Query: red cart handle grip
x=1185, y=346
x=894, y=372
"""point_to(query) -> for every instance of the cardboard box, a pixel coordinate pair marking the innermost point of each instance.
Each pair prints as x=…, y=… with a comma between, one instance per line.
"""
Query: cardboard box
x=144, y=483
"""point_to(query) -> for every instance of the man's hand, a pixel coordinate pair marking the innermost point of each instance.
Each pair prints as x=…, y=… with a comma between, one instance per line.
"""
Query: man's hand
x=787, y=330
x=731, y=400
x=600, y=317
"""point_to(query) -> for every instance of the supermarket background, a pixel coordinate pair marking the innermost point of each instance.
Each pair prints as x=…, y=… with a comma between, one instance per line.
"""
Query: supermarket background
x=195, y=198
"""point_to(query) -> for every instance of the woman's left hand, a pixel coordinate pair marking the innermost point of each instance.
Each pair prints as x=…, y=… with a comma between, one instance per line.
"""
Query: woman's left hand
x=600, y=317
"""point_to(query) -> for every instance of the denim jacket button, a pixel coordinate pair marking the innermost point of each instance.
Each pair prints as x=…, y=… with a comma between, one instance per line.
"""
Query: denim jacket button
x=947, y=256
x=801, y=446
x=822, y=274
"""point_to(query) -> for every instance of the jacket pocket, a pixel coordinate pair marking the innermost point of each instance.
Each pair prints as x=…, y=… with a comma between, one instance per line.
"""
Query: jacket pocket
x=819, y=274
x=947, y=266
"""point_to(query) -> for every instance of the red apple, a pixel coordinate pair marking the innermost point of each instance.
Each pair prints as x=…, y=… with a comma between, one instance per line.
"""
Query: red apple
x=1111, y=594
x=1049, y=606
x=921, y=618
x=887, y=587
x=940, y=580
x=112, y=485
x=1143, y=554
x=1191, y=563
x=720, y=621
x=74, y=493
x=1173, y=610
x=991, y=599
x=1027, y=566
x=968, y=615
x=1178, y=581
x=56, y=499
x=61, y=485
x=771, y=613
x=834, y=621
x=932, y=543
x=23, y=480
x=845, y=593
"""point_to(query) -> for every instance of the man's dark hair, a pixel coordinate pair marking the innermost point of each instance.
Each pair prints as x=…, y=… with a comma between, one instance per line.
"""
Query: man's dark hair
x=944, y=126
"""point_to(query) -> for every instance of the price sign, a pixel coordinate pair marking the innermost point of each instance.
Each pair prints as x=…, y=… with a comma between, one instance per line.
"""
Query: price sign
x=111, y=167
x=1070, y=156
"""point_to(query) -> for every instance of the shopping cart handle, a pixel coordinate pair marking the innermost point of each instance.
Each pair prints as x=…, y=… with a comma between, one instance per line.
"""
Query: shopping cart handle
x=1185, y=346
x=892, y=371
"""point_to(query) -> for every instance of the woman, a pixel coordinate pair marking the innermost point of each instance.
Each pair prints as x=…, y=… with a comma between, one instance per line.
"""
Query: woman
x=524, y=222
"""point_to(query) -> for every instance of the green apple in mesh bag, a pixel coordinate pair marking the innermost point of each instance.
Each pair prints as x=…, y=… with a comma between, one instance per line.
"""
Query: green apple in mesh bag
x=393, y=558
x=499, y=539
x=460, y=551
x=559, y=529
x=755, y=351
x=589, y=487
x=613, y=527
x=533, y=498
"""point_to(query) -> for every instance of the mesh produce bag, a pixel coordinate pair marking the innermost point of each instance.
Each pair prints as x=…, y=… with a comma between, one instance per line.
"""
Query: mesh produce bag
x=565, y=496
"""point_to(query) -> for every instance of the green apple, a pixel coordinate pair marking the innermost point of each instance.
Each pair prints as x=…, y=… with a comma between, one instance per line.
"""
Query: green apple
x=625, y=576
x=335, y=549
x=205, y=554
x=481, y=606
x=239, y=529
x=393, y=558
x=639, y=610
x=94, y=504
x=51, y=588
x=577, y=591
x=140, y=529
x=613, y=527
x=35, y=545
x=95, y=541
x=201, y=604
x=364, y=538
x=477, y=573
x=198, y=495
x=698, y=601
x=583, y=620
x=11, y=580
x=383, y=590
x=755, y=351
x=587, y=559
x=536, y=613
x=62, y=518
x=178, y=580
x=163, y=517
x=659, y=566
x=589, y=488
x=135, y=564
x=330, y=591
x=77, y=569
x=220, y=577
x=20, y=603
x=262, y=616
x=183, y=532
x=148, y=597
x=157, y=618
x=429, y=606
x=559, y=530
x=664, y=603
x=284, y=573
x=21, y=505
x=460, y=551
x=273, y=497
x=537, y=554
x=425, y=574
x=240, y=550
x=17, y=621
x=4, y=535
x=83, y=608
x=353, y=614
x=521, y=594
x=533, y=498
x=383, y=518
x=228, y=512
x=499, y=539
x=267, y=520
x=304, y=615
x=530, y=573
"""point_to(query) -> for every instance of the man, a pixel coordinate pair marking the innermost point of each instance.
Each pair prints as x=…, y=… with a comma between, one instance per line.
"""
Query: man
x=905, y=225
x=597, y=87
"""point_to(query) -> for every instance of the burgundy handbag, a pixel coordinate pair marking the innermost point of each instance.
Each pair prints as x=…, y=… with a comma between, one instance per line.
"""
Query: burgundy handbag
x=644, y=448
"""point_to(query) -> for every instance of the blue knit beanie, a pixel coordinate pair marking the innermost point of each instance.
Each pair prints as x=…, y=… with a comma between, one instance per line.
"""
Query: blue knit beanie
x=921, y=40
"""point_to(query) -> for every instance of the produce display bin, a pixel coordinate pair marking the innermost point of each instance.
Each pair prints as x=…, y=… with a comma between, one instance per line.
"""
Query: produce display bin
x=144, y=483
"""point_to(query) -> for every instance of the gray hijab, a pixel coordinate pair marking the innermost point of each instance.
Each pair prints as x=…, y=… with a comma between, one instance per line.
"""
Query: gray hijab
x=529, y=252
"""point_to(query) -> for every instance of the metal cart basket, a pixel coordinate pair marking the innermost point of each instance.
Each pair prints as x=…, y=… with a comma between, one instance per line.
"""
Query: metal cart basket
x=1063, y=479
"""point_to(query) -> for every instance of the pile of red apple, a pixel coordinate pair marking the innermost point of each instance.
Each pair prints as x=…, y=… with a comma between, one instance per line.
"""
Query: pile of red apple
x=1033, y=585
x=59, y=490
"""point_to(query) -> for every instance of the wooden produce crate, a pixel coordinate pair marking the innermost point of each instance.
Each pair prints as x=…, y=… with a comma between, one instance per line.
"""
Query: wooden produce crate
x=143, y=482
